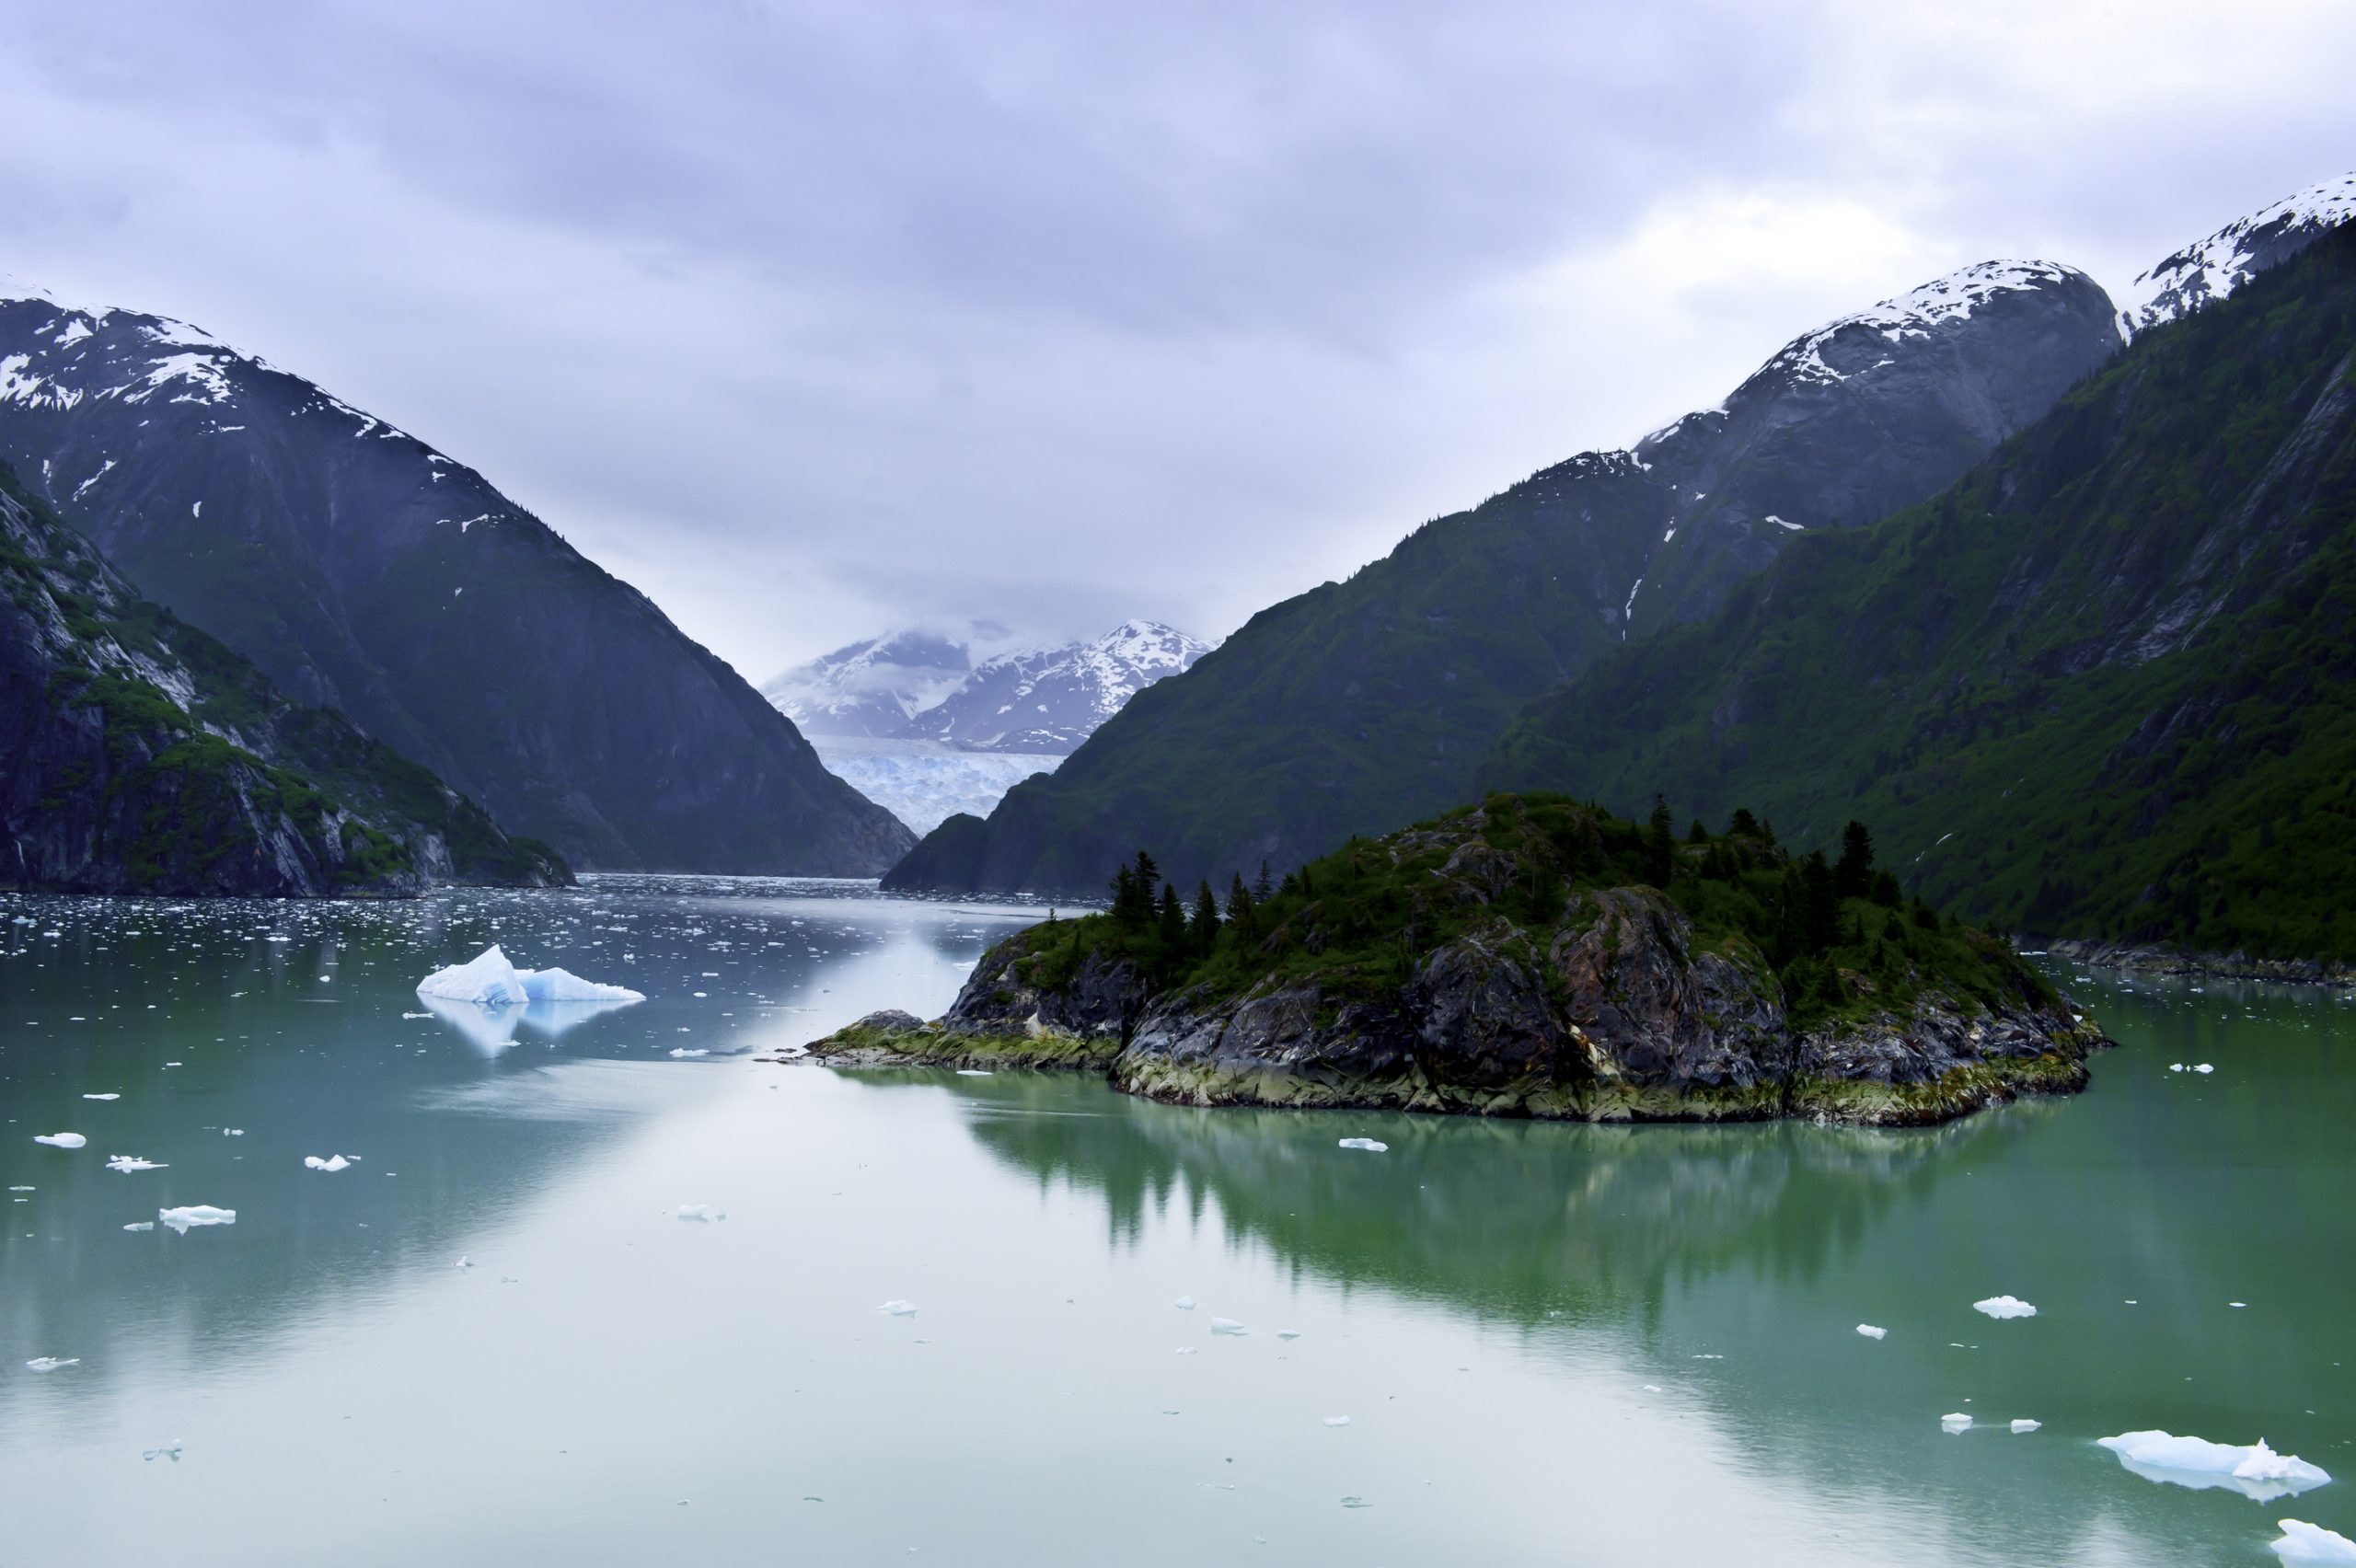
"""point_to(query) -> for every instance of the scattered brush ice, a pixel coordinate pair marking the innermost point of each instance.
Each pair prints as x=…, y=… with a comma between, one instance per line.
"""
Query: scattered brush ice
x=1227, y=1326
x=2020, y=1426
x=51, y=1362
x=180, y=1219
x=702, y=1212
x=1956, y=1422
x=1870, y=1332
x=141, y=1224
x=61, y=1140
x=2304, y=1542
x=2005, y=1307
x=127, y=1163
x=2257, y=1471
x=1367, y=1144
x=170, y=1451
x=699, y=1051
x=1337, y=1421
x=332, y=1162
x=899, y=1308
x=1184, y=1304
x=1287, y=1333
x=102, y=1097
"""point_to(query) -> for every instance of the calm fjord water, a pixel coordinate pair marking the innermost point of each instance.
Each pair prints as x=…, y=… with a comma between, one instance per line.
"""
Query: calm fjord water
x=1554, y=1344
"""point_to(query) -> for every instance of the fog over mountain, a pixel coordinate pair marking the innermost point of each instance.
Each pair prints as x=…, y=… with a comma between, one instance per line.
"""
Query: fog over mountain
x=813, y=321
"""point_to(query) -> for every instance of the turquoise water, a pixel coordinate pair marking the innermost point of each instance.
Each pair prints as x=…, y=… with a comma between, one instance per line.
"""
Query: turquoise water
x=1554, y=1344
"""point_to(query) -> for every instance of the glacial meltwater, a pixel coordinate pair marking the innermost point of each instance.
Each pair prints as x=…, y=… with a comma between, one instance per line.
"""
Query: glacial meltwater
x=591, y=1286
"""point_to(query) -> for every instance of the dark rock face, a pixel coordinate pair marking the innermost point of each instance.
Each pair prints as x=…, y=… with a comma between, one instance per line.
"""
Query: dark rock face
x=362, y=569
x=138, y=755
x=1358, y=706
x=1619, y=1018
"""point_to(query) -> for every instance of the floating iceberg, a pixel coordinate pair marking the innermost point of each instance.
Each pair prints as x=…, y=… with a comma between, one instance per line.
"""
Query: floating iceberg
x=699, y=1051
x=701, y=1211
x=170, y=1451
x=127, y=1163
x=1227, y=1326
x=1287, y=1333
x=61, y=1140
x=2204, y=1068
x=2021, y=1427
x=1184, y=1304
x=332, y=1162
x=1870, y=1332
x=2304, y=1542
x=1337, y=1421
x=2005, y=1307
x=975, y=1072
x=1367, y=1144
x=2257, y=1471
x=899, y=1308
x=488, y=979
x=51, y=1363
x=1957, y=1422
x=141, y=1224
x=102, y=1097
x=180, y=1219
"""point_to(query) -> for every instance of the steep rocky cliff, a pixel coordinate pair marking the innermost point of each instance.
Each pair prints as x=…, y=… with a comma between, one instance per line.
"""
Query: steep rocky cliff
x=137, y=755
x=1360, y=705
x=1507, y=961
x=363, y=570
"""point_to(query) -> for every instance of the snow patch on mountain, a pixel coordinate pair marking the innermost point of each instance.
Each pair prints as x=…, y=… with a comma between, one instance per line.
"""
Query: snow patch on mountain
x=1050, y=700
x=872, y=688
x=2210, y=269
x=1920, y=312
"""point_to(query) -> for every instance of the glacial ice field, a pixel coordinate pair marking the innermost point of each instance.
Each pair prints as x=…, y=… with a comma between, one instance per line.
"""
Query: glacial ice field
x=301, y=1266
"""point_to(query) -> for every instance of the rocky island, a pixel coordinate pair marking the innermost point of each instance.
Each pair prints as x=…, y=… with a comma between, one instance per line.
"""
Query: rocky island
x=1529, y=956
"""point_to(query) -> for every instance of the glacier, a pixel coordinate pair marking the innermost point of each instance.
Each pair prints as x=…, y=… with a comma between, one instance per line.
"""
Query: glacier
x=926, y=782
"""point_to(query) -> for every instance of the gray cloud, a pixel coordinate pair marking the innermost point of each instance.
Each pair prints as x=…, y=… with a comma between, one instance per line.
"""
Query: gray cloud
x=810, y=319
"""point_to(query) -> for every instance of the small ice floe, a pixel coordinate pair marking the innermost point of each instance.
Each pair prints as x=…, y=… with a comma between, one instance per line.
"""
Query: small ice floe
x=2256, y=1472
x=2204, y=1068
x=2304, y=1542
x=1870, y=1332
x=102, y=1097
x=2175, y=1066
x=1185, y=1350
x=2005, y=1307
x=1955, y=1422
x=1337, y=1421
x=464, y=1262
x=51, y=1363
x=407, y=1016
x=1184, y=1304
x=332, y=1162
x=170, y=1451
x=1356, y=1502
x=141, y=1224
x=1367, y=1144
x=1287, y=1333
x=1228, y=1326
x=61, y=1140
x=189, y=1214
x=232, y=1132
x=2021, y=1427
x=899, y=1308
x=127, y=1163
x=699, y=1051
x=975, y=1072
x=702, y=1212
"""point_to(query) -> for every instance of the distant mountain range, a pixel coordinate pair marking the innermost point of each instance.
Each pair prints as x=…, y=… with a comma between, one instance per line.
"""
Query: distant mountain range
x=364, y=571
x=1362, y=704
x=920, y=685
x=137, y=755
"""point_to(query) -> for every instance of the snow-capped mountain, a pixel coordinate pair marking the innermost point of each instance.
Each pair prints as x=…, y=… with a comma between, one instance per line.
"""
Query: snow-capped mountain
x=363, y=570
x=924, y=783
x=872, y=688
x=1050, y=700
x=2212, y=268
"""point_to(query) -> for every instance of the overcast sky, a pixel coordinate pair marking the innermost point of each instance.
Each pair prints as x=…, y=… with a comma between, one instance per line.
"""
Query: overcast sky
x=813, y=319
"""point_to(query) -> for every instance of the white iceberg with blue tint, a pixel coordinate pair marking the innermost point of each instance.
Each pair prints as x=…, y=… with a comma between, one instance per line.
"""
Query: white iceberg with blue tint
x=2304, y=1542
x=488, y=979
x=2005, y=1307
x=2256, y=1472
x=61, y=1140
x=1369, y=1145
x=181, y=1220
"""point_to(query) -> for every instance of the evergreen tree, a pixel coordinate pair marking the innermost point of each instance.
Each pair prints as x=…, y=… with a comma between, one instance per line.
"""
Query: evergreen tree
x=1204, y=927
x=1743, y=823
x=1697, y=834
x=1262, y=888
x=1660, y=849
x=1819, y=904
x=1854, y=877
x=1243, y=910
x=1173, y=922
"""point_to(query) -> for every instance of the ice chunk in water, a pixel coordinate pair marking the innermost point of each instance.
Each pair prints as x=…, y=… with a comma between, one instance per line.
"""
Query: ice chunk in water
x=1227, y=1326
x=2005, y=1307
x=2256, y=1472
x=899, y=1308
x=1184, y=1304
x=701, y=1211
x=563, y=986
x=170, y=1451
x=487, y=978
x=1955, y=1422
x=2204, y=1068
x=51, y=1363
x=180, y=1219
x=1337, y=1421
x=1287, y=1333
x=2020, y=1426
x=332, y=1162
x=141, y=1224
x=126, y=1163
x=973, y=1072
x=102, y=1097
x=1872, y=1332
x=699, y=1051
x=1368, y=1144
x=61, y=1140
x=2304, y=1542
